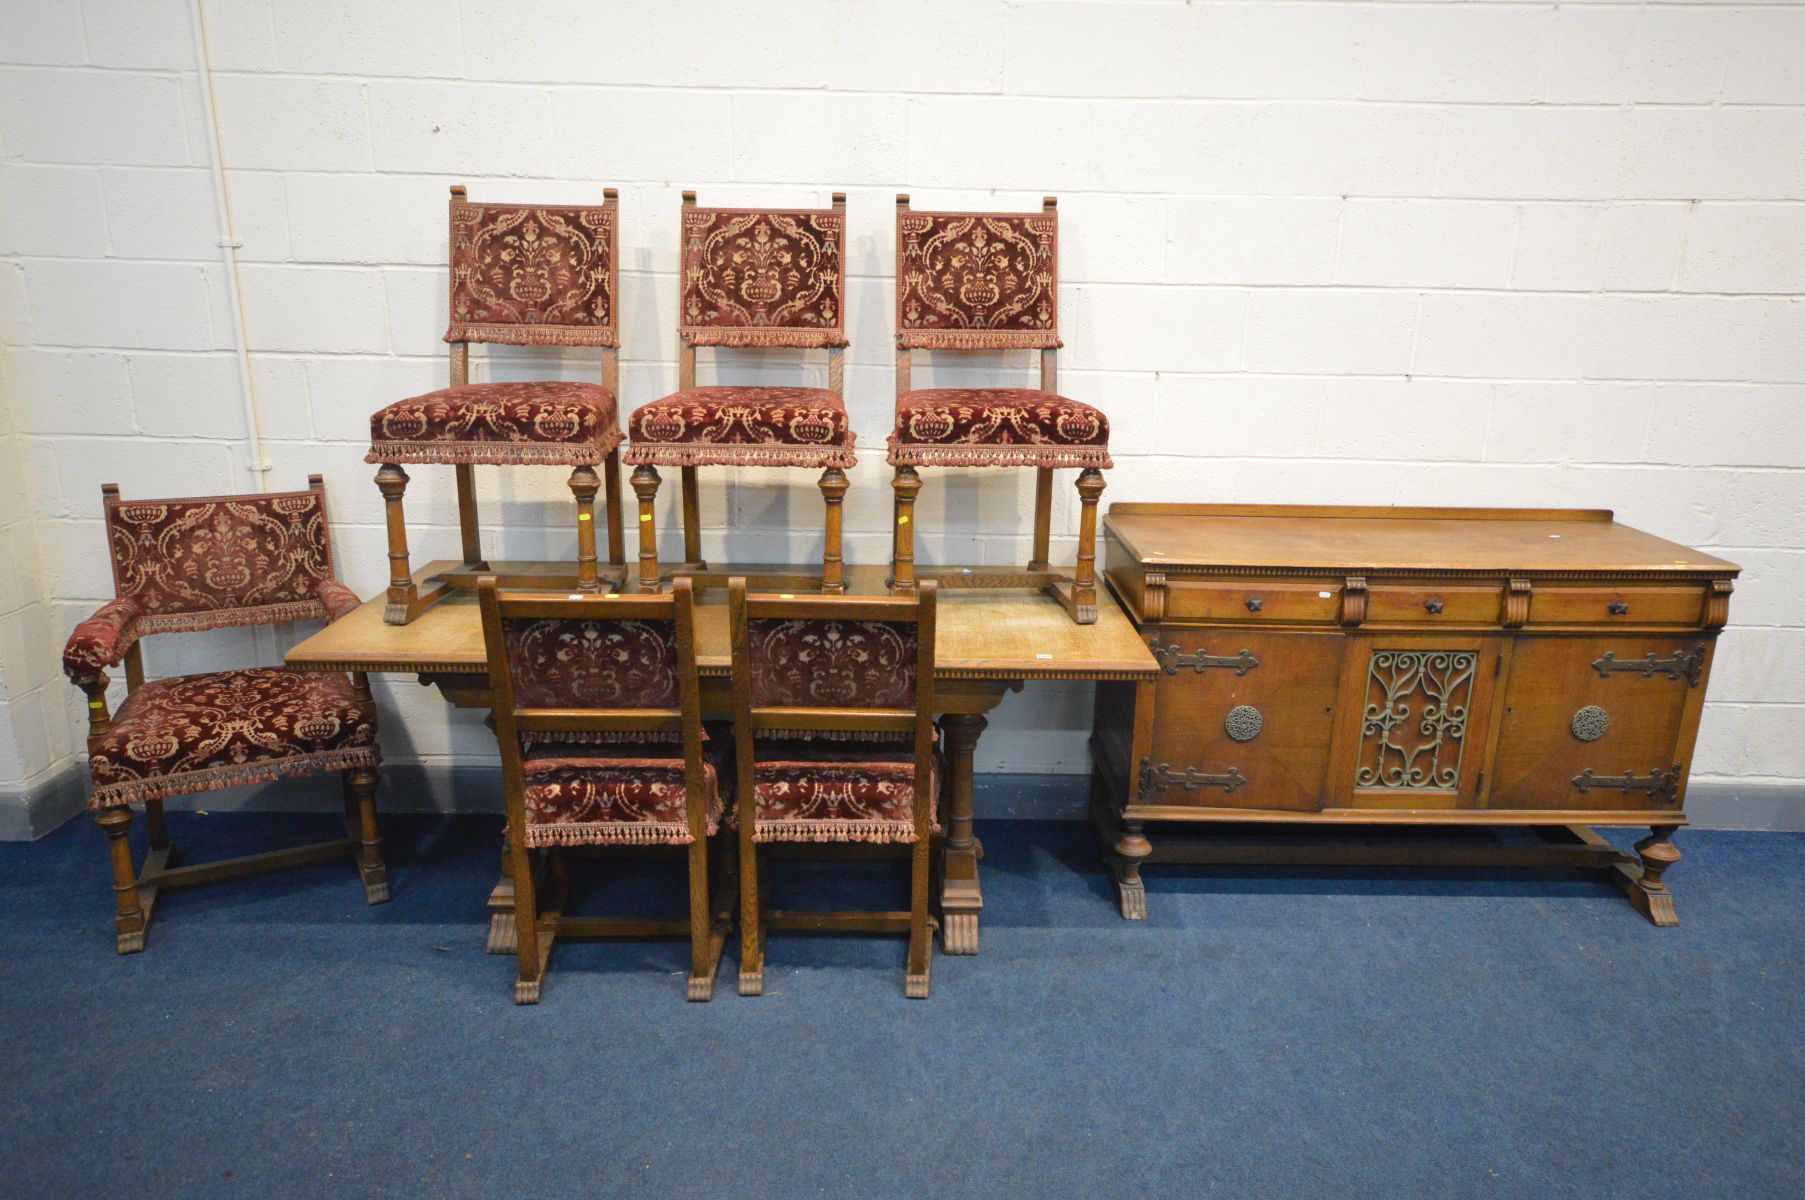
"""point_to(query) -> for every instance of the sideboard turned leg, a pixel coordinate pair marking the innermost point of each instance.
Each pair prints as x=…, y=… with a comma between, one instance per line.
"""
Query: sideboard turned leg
x=1650, y=894
x=1129, y=850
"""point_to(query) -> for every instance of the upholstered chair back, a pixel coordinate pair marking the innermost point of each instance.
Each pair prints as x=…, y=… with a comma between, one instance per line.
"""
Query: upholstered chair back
x=216, y=561
x=977, y=280
x=582, y=662
x=534, y=274
x=832, y=663
x=763, y=277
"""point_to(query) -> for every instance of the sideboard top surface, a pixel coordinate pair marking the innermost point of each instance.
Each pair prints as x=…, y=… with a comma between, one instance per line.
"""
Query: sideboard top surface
x=1373, y=540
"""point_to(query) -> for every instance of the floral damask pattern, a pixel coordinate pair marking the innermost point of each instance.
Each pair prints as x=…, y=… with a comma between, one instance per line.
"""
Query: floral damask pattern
x=835, y=664
x=566, y=662
x=763, y=278
x=194, y=733
x=811, y=791
x=552, y=422
x=746, y=426
x=982, y=427
x=100, y=642
x=529, y=275
x=612, y=795
x=216, y=561
x=977, y=280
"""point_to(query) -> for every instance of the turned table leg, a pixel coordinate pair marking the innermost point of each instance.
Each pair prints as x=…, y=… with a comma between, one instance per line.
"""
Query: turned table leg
x=960, y=897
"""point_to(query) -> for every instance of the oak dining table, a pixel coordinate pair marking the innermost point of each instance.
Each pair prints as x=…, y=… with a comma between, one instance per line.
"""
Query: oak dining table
x=990, y=642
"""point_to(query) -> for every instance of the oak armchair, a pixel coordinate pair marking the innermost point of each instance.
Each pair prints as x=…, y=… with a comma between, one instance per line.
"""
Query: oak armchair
x=211, y=563
x=521, y=275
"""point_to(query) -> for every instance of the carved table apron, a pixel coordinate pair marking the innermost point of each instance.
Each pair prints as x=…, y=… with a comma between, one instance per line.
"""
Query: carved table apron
x=989, y=644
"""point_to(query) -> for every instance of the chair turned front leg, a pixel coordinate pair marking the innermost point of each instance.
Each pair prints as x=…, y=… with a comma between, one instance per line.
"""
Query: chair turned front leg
x=1080, y=595
x=584, y=484
x=906, y=485
x=752, y=933
x=915, y=984
x=645, y=486
x=833, y=565
x=128, y=914
x=1650, y=895
x=370, y=868
x=403, y=597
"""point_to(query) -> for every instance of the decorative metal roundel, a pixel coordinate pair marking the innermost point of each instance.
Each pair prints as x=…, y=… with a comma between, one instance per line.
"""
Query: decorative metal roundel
x=1243, y=723
x=1590, y=722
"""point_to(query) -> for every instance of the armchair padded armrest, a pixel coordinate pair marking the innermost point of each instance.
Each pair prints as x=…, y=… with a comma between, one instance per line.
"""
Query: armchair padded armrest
x=100, y=642
x=340, y=601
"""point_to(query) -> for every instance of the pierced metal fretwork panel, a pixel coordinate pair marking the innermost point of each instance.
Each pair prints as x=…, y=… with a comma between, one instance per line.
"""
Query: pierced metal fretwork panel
x=1414, y=727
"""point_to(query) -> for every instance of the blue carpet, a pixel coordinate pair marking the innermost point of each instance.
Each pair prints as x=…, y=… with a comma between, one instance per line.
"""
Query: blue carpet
x=1265, y=1033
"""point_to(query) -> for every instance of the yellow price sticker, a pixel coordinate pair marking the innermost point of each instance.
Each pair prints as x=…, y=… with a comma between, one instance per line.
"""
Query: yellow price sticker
x=645, y=516
x=902, y=520
x=585, y=516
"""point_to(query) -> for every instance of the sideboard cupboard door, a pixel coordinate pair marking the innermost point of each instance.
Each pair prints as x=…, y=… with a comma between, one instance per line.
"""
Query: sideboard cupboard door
x=1244, y=719
x=1605, y=724
x=1416, y=719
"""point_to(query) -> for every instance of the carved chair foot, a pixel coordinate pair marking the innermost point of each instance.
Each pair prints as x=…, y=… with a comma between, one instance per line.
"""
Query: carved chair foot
x=752, y=983
x=959, y=933
x=504, y=935
x=1131, y=894
x=376, y=884
x=526, y=991
x=1079, y=602
x=701, y=988
x=129, y=943
x=915, y=987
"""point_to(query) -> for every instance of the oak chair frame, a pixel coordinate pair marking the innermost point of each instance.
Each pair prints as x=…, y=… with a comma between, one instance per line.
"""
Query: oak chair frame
x=1076, y=592
x=136, y=888
x=833, y=482
x=539, y=927
x=756, y=920
x=406, y=600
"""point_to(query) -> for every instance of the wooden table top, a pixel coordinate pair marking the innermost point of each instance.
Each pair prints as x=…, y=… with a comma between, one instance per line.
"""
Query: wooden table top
x=981, y=635
x=1360, y=540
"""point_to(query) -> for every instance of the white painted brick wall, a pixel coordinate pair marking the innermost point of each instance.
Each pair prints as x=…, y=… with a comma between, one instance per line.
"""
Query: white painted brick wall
x=1495, y=253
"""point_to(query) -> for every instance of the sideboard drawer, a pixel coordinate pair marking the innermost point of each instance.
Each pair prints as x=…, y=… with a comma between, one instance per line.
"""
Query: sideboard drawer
x=1617, y=606
x=1255, y=602
x=1429, y=604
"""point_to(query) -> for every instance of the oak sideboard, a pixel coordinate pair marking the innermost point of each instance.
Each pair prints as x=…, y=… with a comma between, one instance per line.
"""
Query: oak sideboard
x=1402, y=666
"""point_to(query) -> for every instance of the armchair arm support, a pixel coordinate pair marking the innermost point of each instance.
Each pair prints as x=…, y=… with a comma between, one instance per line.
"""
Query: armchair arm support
x=101, y=642
x=340, y=601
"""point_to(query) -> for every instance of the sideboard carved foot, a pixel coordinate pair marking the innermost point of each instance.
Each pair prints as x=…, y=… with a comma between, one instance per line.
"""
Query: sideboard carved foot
x=1649, y=894
x=1125, y=866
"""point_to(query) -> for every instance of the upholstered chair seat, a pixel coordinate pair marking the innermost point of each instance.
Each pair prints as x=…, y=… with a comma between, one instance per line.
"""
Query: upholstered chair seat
x=615, y=793
x=747, y=426
x=837, y=790
x=199, y=733
x=990, y=427
x=554, y=422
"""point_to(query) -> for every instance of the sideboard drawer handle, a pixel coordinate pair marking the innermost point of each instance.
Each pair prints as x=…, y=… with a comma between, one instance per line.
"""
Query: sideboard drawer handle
x=1434, y=605
x=1619, y=608
x=1253, y=604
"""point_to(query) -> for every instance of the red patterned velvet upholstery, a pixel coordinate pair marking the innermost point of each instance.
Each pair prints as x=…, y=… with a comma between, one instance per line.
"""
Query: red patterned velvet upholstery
x=340, y=601
x=744, y=426
x=532, y=275
x=553, y=422
x=837, y=791
x=196, y=733
x=977, y=281
x=990, y=427
x=559, y=662
x=832, y=664
x=612, y=794
x=217, y=561
x=100, y=642
x=756, y=277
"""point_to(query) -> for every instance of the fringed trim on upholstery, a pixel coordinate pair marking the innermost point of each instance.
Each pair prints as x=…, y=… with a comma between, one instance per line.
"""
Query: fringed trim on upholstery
x=910, y=454
x=614, y=833
x=601, y=737
x=978, y=339
x=213, y=779
x=735, y=338
x=499, y=454
x=534, y=335
x=718, y=454
x=836, y=735
x=227, y=618
x=833, y=831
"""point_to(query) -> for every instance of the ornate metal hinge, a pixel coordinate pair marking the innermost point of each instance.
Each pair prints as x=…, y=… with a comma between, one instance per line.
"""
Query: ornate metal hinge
x=1685, y=664
x=1158, y=779
x=1172, y=662
x=1662, y=785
